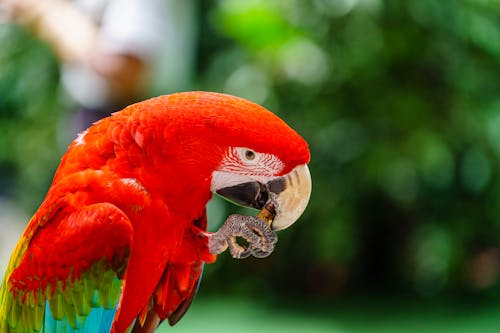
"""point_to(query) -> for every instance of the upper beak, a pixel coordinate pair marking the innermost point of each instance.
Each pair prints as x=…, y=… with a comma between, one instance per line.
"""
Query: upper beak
x=285, y=197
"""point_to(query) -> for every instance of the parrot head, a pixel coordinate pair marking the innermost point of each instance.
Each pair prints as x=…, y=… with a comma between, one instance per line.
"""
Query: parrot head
x=259, y=160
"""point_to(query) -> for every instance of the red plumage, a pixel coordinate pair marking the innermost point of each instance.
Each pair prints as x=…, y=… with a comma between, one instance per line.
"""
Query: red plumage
x=132, y=191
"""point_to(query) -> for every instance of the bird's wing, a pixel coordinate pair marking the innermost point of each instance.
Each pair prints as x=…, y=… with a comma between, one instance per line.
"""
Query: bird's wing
x=67, y=268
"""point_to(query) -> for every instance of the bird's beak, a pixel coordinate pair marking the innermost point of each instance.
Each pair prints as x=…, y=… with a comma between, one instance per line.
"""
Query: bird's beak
x=284, y=198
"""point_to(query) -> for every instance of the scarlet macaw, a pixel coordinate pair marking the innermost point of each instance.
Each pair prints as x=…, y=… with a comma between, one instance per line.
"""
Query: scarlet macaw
x=119, y=242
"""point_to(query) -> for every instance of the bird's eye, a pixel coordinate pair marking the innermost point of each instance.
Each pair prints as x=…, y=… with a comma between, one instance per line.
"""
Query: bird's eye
x=249, y=155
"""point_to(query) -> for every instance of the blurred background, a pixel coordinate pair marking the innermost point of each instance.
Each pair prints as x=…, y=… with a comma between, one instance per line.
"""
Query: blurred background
x=400, y=103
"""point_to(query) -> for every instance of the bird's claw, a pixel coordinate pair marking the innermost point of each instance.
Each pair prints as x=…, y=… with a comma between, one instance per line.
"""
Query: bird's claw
x=261, y=239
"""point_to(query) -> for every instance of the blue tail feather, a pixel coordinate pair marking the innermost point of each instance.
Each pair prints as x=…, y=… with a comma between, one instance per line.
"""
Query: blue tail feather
x=99, y=320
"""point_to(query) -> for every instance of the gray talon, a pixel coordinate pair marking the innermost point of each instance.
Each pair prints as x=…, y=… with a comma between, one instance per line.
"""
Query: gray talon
x=259, y=253
x=261, y=239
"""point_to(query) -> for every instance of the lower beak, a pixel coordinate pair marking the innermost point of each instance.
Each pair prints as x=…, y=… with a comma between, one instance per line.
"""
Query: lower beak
x=284, y=198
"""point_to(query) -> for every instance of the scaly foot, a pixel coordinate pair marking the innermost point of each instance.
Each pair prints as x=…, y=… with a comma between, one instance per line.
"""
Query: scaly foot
x=261, y=239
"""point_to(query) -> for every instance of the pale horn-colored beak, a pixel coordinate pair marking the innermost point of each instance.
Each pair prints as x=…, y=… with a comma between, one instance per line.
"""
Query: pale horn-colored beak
x=291, y=197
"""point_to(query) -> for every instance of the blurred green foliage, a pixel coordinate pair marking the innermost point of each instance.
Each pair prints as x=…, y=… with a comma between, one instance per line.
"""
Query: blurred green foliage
x=229, y=314
x=29, y=116
x=400, y=103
